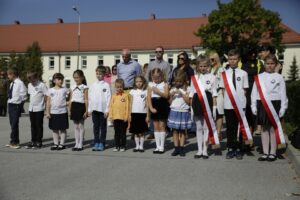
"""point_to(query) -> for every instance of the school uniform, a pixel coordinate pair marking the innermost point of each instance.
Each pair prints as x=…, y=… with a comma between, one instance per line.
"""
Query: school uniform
x=180, y=116
x=159, y=103
x=138, y=111
x=58, y=111
x=16, y=95
x=220, y=98
x=77, y=102
x=99, y=98
x=36, y=109
x=241, y=84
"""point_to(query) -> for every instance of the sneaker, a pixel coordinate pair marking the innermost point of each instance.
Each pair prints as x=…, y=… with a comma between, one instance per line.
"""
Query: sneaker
x=116, y=149
x=100, y=147
x=95, y=148
x=122, y=149
x=7, y=145
x=238, y=155
x=15, y=146
x=230, y=154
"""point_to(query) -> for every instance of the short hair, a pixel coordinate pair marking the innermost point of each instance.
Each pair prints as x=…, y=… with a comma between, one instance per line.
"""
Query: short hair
x=271, y=57
x=13, y=70
x=120, y=82
x=101, y=69
x=203, y=59
x=161, y=47
x=234, y=52
x=144, y=82
x=32, y=76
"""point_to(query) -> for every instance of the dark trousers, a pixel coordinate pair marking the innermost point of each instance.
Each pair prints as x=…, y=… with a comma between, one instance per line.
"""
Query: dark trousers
x=37, y=121
x=14, y=113
x=3, y=105
x=100, y=127
x=232, y=123
x=120, y=133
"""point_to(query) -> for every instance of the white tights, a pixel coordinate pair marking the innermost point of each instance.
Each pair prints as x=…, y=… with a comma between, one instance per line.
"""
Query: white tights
x=268, y=141
x=79, y=133
x=59, y=134
x=202, y=136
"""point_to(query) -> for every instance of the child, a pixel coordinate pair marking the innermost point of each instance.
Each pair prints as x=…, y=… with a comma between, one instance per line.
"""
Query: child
x=57, y=111
x=16, y=95
x=180, y=117
x=275, y=91
x=139, y=118
x=239, y=79
x=79, y=107
x=119, y=112
x=38, y=97
x=209, y=83
x=99, y=98
x=157, y=96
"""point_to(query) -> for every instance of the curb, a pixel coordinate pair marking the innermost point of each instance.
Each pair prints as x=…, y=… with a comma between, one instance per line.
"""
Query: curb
x=294, y=156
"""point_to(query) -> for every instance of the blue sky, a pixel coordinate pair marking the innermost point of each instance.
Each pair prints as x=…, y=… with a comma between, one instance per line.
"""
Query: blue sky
x=47, y=11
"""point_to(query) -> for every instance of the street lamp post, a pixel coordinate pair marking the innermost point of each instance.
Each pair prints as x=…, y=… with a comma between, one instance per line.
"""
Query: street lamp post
x=78, y=35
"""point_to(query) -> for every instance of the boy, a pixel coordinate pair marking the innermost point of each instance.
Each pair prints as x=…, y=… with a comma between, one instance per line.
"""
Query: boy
x=239, y=79
x=37, y=91
x=16, y=95
x=99, y=98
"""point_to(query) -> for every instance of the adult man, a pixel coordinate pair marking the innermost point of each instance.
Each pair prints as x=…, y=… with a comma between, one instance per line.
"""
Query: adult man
x=3, y=93
x=159, y=63
x=128, y=69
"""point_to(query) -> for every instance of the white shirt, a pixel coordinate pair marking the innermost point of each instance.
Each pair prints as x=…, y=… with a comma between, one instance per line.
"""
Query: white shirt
x=58, y=100
x=78, y=93
x=275, y=88
x=99, y=97
x=242, y=83
x=139, y=98
x=18, y=93
x=37, y=95
x=209, y=83
x=160, y=86
x=178, y=104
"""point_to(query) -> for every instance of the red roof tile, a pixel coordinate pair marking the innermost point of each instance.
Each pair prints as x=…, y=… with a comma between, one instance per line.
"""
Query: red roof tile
x=106, y=36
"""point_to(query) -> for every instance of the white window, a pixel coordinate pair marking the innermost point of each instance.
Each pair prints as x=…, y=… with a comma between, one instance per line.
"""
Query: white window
x=100, y=61
x=135, y=57
x=151, y=57
x=117, y=60
x=51, y=62
x=67, y=83
x=83, y=62
x=68, y=62
x=170, y=59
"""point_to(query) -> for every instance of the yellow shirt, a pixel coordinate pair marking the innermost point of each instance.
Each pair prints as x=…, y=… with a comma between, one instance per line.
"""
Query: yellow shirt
x=119, y=107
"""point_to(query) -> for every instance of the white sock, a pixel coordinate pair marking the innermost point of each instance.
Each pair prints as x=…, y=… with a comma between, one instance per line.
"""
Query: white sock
x=273, y=142
x=162, y=140
x=205, y=139
x=142, y=139
x=199, y=132
x=81, y=134
x=265, y=140
x=76, y=134
x=157, y=139
x=55, y=138
x=137, y=142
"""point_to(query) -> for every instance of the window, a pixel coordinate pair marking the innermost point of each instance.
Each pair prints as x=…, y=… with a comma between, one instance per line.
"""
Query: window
x=83, y=62
x=67, y=83
x=170, y=59
x=117, y=60
x=68, y=62
x=51, y=63
x=152, y=57
x=135, y=57
x=100, y=61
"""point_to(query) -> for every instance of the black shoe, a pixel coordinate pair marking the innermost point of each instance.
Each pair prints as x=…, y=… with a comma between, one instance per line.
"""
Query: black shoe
x=54, y=147
x=80, y=149
x=197, y=156
x=161, y=152
x=30, y=145
x=61, y=147
x=205, y=157
x=238, y=155
x=230, y=154
x=176, y=152
x=182, y=152
x=156, y=151
x=135, y=150
x=272, y=157
x=263, y=158
x=74, y=149
x=39, y=145
x=141, y=150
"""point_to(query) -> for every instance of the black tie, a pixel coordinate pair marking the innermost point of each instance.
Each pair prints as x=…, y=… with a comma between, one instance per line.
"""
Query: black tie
x=233, y=78
x=10, y=91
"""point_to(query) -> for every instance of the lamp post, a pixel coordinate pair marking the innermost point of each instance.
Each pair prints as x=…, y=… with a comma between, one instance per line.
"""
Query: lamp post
x=78, y=35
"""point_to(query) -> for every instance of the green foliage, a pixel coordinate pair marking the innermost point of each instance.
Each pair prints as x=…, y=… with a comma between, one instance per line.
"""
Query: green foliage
x=33, y=59
x=293, y=74
x=3, y=64
x=293, y=94
x=241, y=23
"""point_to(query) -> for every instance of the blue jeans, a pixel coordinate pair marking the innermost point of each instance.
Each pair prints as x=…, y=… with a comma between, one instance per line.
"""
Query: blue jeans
x=100, y=127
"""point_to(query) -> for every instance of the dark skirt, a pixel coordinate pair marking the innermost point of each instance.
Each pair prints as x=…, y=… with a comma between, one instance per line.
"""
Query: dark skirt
x=262, y=117
x=138, y=123
x=163, y=108
x=196, y=105
x=77, y=111
x=59, y=121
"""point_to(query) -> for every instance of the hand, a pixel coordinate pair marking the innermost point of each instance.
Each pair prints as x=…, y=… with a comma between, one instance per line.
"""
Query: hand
x=85, y=115
x=89, y=114
x=155, y=90
x=281, y=113
x=128, y=126
x=254, y=111
x=147, y=120
x=153, y=110
x=48, y=115
x=215, y=112
x=106, y=115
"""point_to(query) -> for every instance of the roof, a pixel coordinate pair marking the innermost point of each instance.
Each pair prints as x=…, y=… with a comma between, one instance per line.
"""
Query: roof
x=109, y=36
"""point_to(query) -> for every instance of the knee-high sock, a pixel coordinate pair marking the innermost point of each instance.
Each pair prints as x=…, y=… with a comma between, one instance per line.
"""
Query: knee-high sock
x=142, y=139
x=265, y=140
x=199, y=132
x=205, y=138
x=273, y=141
x=55, y=137
x=62, y=137
x=157, y=139
x=76, y=134
x=81, y=134
x=137, y=142
x=162, y=140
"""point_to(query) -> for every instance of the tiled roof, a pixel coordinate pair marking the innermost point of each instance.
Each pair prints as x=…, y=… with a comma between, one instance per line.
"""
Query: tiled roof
x=109, y=36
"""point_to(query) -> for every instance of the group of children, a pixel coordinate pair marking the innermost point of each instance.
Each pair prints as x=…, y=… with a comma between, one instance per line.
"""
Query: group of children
x=177, y=106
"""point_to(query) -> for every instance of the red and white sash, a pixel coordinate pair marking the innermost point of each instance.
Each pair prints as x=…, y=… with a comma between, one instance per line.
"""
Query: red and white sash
x=212, y=131
x=238, y=109
x=270, y=110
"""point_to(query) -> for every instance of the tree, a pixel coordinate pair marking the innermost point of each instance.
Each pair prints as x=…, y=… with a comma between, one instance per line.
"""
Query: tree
x=241, y=23
x=33, y=61
x=293, y=74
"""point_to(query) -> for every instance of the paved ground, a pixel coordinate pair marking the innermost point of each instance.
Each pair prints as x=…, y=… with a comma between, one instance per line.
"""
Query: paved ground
x=66, y=175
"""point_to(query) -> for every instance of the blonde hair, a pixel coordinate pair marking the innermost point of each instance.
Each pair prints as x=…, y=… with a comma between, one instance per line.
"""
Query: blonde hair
x=216, y=57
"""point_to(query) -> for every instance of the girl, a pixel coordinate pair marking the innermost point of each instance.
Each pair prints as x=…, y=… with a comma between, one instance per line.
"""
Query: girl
x=119, y=113
x=139, y=117
x=179, y=118
x=209, y=83
x=57, y=111
x=79, y=107
x=275, y=91
x=157, y=96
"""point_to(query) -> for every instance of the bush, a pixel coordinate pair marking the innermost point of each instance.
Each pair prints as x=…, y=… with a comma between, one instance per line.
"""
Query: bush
x=293, y=112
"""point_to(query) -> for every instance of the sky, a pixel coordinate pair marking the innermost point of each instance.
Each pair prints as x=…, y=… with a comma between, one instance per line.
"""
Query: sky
x=47, y=11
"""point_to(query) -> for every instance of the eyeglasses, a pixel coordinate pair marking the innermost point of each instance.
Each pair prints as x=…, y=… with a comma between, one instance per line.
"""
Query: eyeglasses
x=212, y=59
x=114, y=69
x=181, y=58
x=158, y=51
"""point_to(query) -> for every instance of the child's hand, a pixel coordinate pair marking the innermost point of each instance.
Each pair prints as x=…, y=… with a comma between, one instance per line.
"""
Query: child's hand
x=106, y=115
x=155, y=90
x=153, y=110
x=85, y=115
x=48, y=115
x=147, y=120
x=89, y=114
x=128, y=126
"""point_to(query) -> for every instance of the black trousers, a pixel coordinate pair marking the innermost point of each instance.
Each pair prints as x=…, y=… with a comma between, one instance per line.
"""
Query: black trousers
x=120, y=133
x=232, y=123
x=37, y=121
x=100, y=127
x=14, y=113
